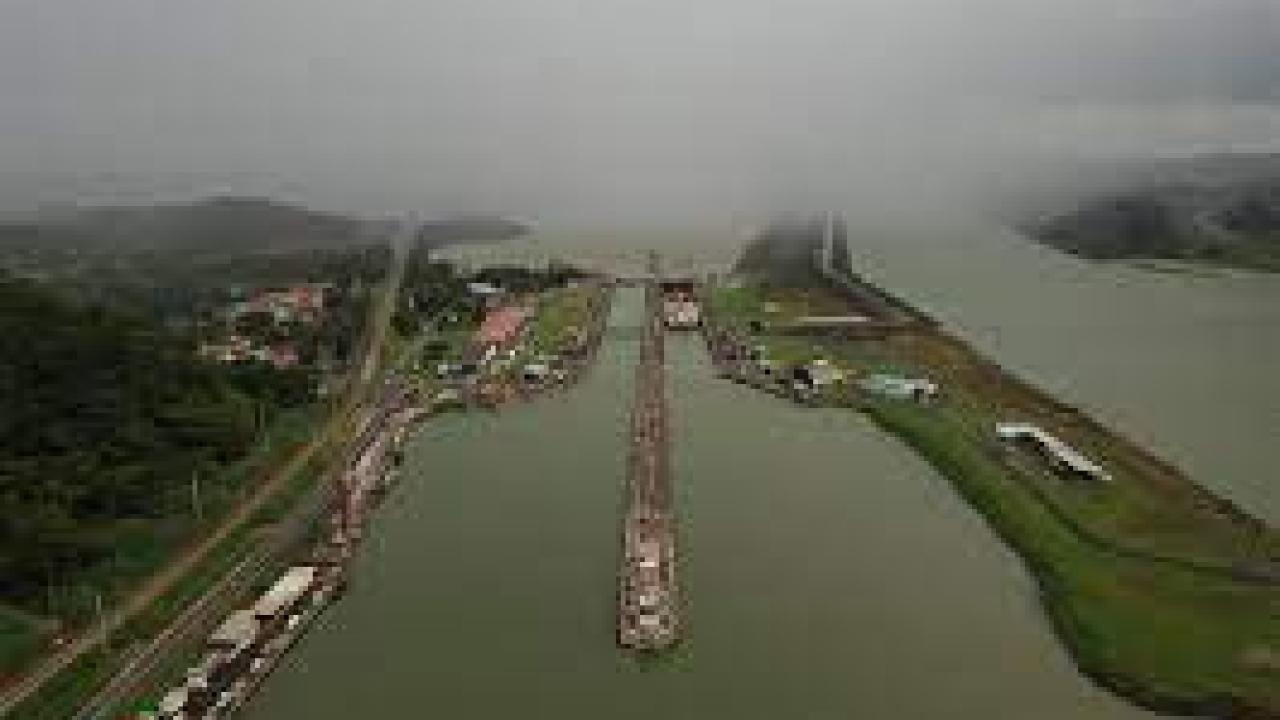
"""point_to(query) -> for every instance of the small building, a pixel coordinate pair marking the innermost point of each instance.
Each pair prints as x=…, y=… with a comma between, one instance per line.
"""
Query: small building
x=536, y=372
x=285, y=594
x=899, y=388
x=1063, y=457
x=174, y=704
x=681, y=313
x=484, y=289
x=282, y=356
x=819, y=373
x=447, y=398
x=236, y=633
x=452, y=371
x=500, y=329
x=485, y=294
x=766, y=367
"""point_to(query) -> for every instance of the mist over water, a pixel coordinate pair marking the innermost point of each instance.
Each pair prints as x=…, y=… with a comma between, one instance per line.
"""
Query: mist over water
x=615, y=112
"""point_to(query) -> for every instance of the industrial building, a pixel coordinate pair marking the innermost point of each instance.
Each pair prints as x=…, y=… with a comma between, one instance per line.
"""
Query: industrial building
x=1063, y=457
x=899, y=388
x=247, y=645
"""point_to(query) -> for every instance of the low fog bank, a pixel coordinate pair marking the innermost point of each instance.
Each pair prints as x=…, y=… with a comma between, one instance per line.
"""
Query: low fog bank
x=620, y=113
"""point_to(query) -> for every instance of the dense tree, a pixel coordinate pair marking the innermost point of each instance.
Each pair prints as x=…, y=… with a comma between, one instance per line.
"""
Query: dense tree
x=104, y=416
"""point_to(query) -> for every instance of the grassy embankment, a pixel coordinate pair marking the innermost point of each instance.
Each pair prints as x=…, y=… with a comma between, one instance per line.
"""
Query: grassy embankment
x=1160, y=590
x=561, y=314
x=566, y=320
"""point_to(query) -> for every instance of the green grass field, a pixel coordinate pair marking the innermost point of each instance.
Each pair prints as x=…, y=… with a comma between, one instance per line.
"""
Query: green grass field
x=560, y=314
x=1159, y=631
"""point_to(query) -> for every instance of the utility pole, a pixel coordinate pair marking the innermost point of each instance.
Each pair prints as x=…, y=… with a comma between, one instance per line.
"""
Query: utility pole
x=196, y=508
x=261, y=420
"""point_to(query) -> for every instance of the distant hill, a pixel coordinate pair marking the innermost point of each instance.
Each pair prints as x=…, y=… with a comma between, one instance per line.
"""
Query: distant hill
x=231, y=224
x=465, y=229
x=225, y=223
x=1218, y=209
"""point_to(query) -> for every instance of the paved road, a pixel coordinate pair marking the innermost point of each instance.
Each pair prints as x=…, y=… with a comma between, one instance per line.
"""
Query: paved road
x=381, y=320
x=162, y=582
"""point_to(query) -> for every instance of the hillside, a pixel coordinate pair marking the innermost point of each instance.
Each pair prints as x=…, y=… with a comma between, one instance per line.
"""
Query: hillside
x=225, y=224
x=465, y=229
x=105, y=417
x=230, y=225
x=1220, y=209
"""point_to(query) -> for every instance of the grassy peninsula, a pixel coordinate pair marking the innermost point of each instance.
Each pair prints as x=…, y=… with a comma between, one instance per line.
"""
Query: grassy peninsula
x=1161, y=591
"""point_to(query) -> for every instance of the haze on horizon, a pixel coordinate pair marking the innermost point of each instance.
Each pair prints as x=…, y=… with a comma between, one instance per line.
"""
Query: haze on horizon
x=614, y=111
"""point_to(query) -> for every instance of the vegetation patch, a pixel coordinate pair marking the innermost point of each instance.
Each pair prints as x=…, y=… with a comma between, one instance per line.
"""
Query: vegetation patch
x=1167, y=635
x=21, y=638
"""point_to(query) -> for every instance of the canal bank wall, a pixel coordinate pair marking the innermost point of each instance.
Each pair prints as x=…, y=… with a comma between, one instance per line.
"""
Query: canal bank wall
x=648, y=616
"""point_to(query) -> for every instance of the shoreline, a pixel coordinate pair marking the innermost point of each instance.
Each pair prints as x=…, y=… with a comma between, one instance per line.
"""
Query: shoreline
x=1050, y=541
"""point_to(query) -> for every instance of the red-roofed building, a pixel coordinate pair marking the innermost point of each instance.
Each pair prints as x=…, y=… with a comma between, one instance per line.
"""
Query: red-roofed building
x=283, y=356
x=501, y=327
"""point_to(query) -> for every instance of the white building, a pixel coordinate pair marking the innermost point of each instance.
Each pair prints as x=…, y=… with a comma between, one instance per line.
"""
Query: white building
x=899, y=388
x=1062, y=455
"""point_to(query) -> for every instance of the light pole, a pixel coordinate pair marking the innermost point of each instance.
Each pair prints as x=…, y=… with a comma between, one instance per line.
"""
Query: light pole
x=196, y=508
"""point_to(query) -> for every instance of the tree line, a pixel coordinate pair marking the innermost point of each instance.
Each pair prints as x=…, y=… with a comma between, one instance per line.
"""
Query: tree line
x=105, y=417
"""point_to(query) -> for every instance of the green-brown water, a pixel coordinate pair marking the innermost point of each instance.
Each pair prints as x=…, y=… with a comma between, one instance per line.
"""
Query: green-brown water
x=1184, y=363
x=831, y=573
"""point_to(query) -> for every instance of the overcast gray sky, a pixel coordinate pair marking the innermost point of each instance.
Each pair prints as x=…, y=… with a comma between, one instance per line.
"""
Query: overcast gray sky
x=612, y=110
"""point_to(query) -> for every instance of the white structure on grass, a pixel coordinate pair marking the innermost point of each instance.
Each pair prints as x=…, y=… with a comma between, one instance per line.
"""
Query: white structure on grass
x=1062, y=455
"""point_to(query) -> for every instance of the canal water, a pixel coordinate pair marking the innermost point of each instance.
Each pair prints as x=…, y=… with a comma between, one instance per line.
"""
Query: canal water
x=1186, y=363
x=831, y=574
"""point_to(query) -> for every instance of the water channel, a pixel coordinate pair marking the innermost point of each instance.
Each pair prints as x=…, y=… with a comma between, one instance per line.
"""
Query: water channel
x=1185, y=362
x=832, y=574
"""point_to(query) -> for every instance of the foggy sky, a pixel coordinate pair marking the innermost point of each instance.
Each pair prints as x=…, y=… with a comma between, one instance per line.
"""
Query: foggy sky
x=613, y=110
